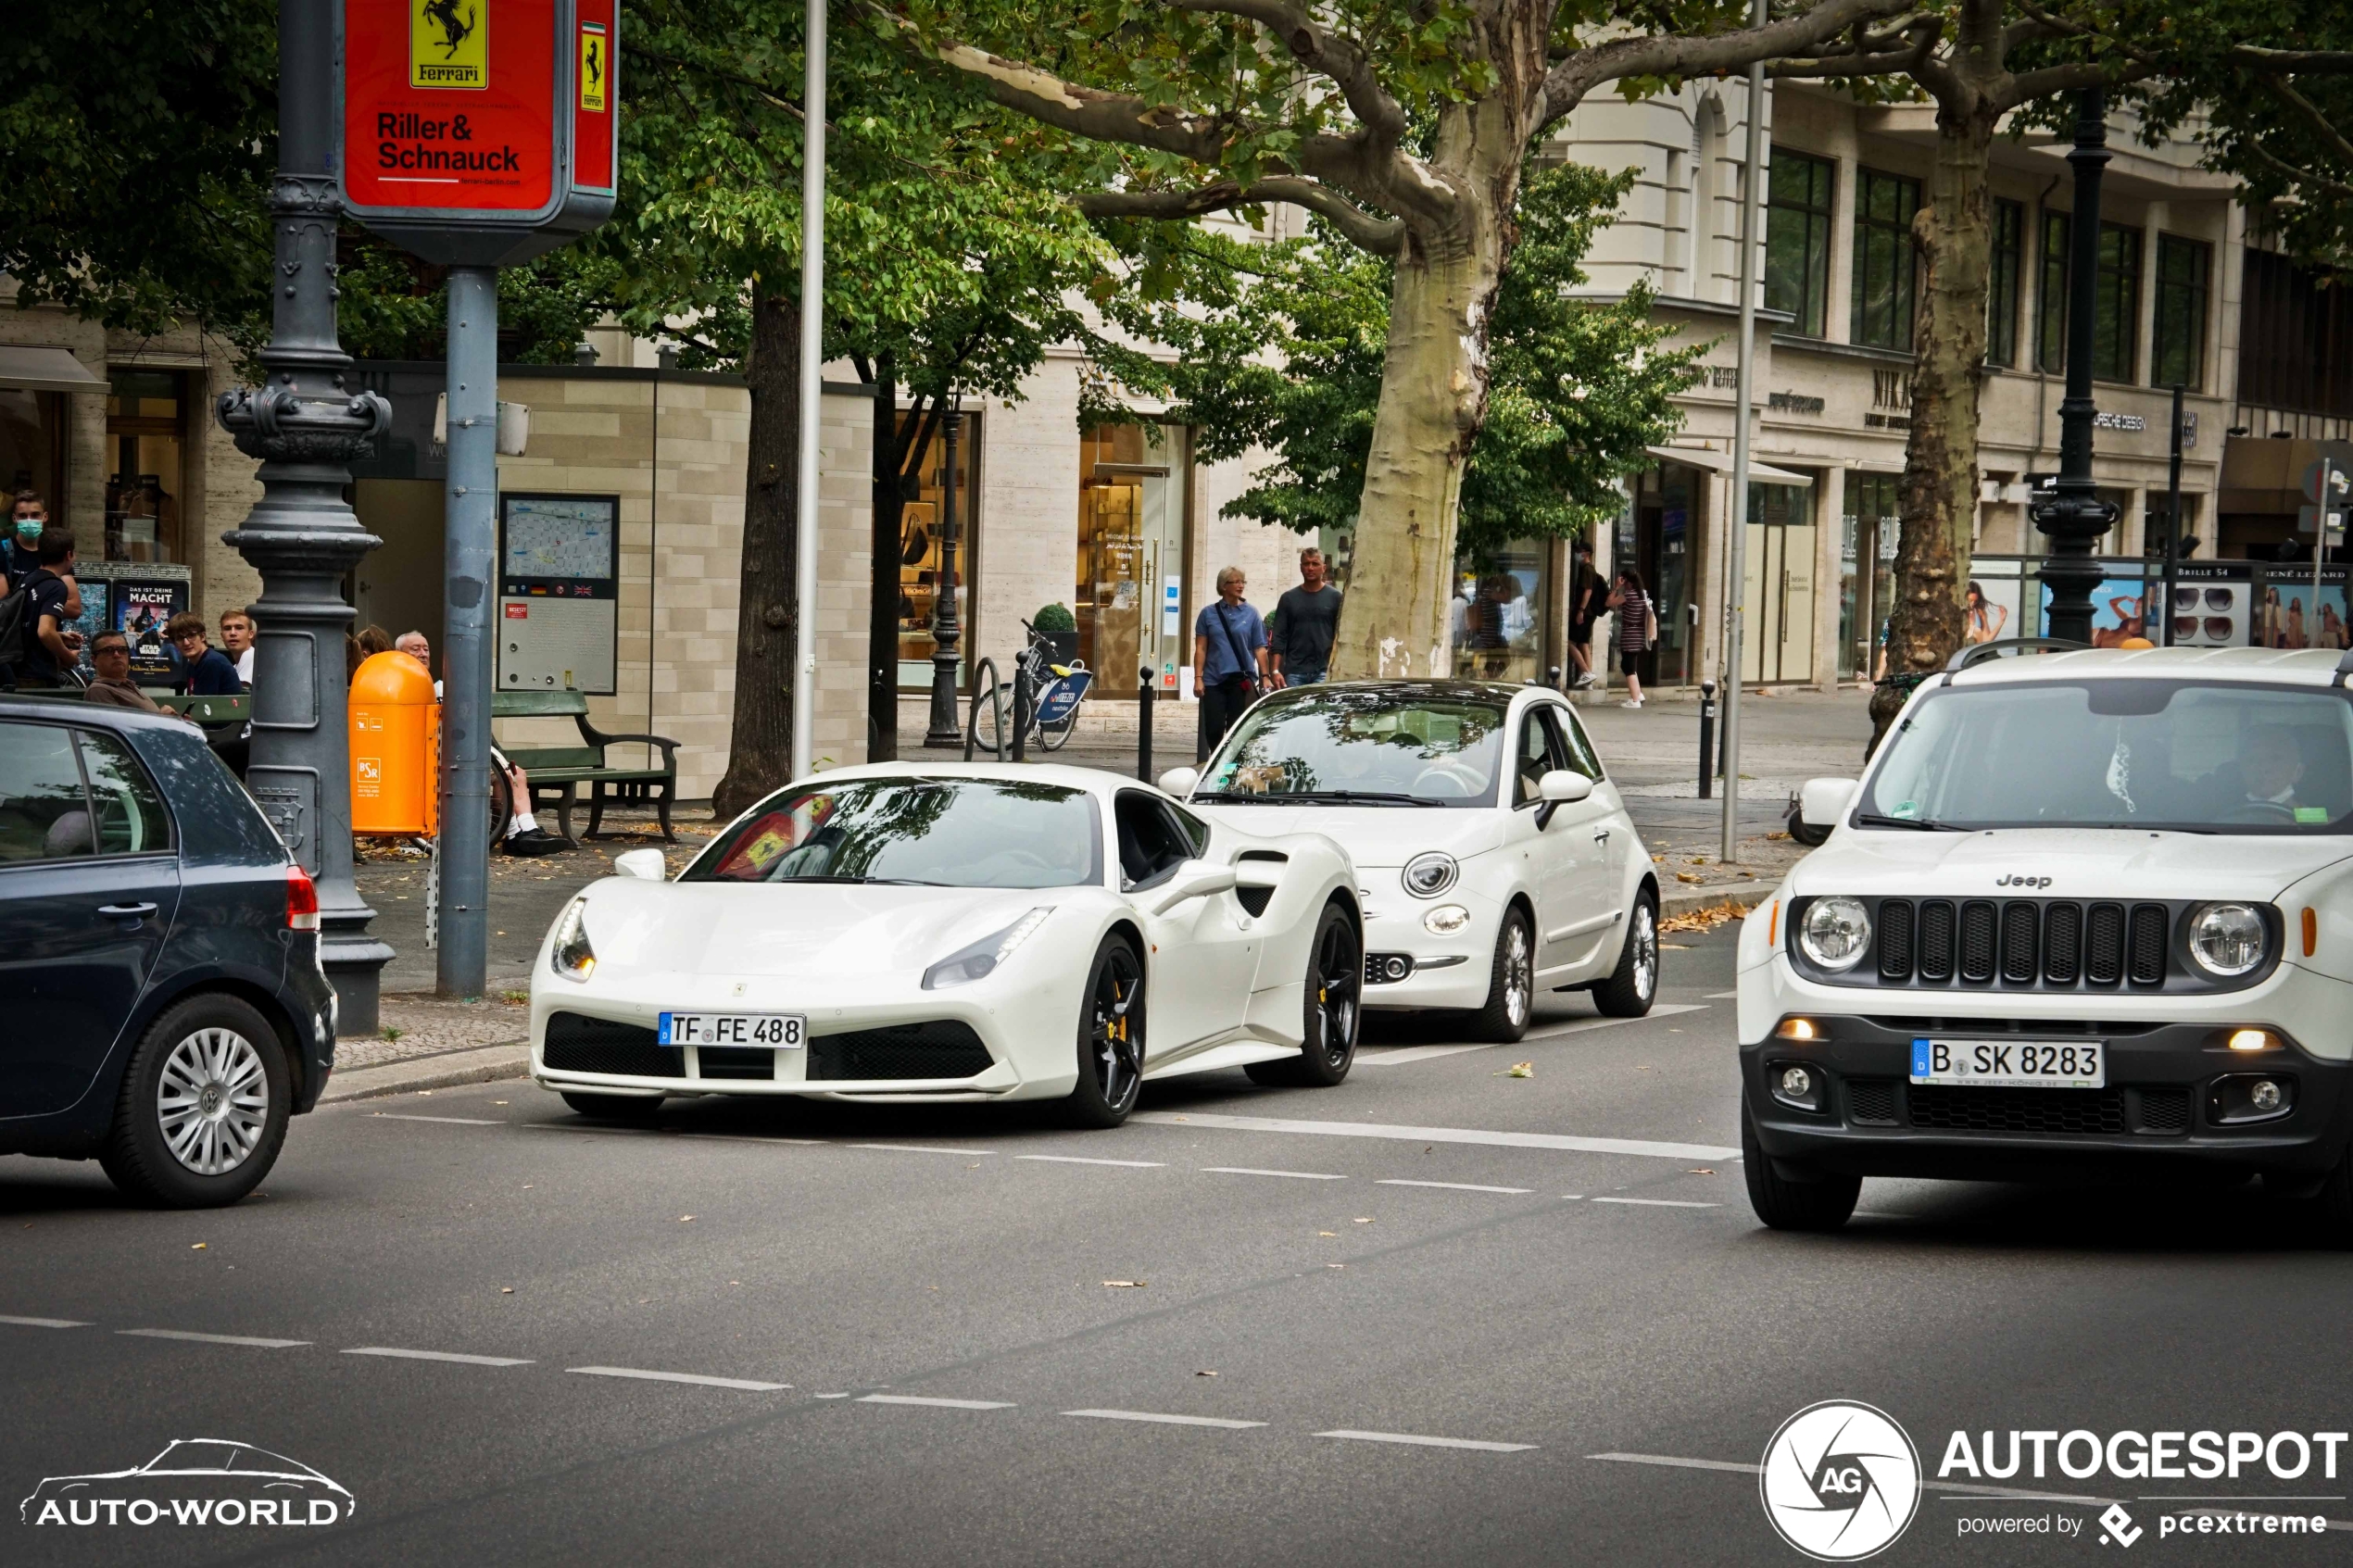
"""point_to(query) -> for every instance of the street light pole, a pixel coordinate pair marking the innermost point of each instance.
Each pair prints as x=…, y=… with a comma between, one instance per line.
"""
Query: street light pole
x=2073, y=514
x=946, y=730
x=1735, y=570
x=305, y=422
x=470, y=547
x=812, y=361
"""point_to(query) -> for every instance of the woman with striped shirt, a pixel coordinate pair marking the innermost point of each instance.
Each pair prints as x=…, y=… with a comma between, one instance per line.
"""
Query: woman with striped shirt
x=1633, y=606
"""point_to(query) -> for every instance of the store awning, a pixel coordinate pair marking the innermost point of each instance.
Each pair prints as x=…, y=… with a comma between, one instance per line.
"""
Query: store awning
x=1721, y=462
x=46, y=370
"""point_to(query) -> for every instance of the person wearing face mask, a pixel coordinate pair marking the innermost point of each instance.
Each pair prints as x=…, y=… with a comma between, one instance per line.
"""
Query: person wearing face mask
x=28, y=515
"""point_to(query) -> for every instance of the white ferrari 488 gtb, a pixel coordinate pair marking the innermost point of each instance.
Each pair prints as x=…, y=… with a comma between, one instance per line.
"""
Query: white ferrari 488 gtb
x=912, y=932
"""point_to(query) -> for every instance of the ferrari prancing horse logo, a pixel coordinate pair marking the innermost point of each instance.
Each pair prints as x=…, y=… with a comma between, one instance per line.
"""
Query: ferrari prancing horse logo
x=448, y=44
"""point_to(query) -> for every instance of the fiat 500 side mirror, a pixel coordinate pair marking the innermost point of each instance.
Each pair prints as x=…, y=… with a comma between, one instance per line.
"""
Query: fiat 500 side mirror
x=1180, y=782
x=1562, y=786
x=646, y=865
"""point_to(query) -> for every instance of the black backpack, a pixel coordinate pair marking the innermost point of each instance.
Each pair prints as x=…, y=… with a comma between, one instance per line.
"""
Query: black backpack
x=18, y=625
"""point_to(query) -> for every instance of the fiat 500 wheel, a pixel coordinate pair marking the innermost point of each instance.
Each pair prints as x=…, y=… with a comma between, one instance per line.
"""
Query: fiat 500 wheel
x=1633, y=984
x=202, y=1112
x=1511, y=983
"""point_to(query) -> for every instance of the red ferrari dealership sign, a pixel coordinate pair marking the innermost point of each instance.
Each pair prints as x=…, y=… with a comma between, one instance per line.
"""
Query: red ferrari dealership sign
x=471, y=128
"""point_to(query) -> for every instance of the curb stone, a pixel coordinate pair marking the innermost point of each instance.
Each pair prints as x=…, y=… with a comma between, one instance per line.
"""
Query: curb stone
x=445, y=1069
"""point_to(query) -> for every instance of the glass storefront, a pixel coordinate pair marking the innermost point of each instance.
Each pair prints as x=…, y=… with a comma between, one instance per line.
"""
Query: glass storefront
x=1662, y=544
x=1777, y=568
x=1129, y=597
x=1499, y=614
x=33, y=446
x=921, y=564
x=1868, y=538
x=145, y=453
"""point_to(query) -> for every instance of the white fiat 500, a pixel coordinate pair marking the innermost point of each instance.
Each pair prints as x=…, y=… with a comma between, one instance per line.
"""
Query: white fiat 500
x=2086, y=911
x=918, y=932
x=1493, y=855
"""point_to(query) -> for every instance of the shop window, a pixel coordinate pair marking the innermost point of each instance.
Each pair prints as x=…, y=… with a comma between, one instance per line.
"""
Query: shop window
x=1886, y=258
x=1499, y=615
x=147, y=478
x=33, y=446
x=2178, y=357
x=2116, y=306
x=2002, y=283
x=1870, y=533
x=1797, y=240
x=1127, y=595
x=923, y=566
x=2050, y=312
x=2296, y=338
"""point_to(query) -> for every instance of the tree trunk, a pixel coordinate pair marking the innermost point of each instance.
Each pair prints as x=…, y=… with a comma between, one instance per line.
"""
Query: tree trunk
x=760, y=755
x=1938, y=494
x=882, y=619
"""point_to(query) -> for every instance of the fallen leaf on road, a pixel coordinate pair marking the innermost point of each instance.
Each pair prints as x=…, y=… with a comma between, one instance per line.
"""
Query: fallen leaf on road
x=1523, y=1070
x=1124, y=1284
x=506, y=1290
x=1361, y=1221
x=1335, y=1265
x=1686, y=876
x=1204, y=1375
x=1328, y=1233
x=198, y=1247
x=684, y=1217
x=1777, y=835
x=1700, y=1171
x=1181, y=1119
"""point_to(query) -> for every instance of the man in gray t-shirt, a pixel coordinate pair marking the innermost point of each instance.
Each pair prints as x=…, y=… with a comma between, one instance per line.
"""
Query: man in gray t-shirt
x=1306, y=618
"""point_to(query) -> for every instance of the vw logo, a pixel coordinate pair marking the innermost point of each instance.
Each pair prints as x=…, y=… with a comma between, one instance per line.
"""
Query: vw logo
x=1840, y=1481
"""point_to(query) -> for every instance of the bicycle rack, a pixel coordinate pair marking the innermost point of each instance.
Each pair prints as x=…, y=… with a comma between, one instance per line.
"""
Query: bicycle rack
x=996, y=707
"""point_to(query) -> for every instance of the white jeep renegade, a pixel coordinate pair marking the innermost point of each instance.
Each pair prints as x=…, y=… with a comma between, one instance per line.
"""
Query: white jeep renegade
x=2091, y=908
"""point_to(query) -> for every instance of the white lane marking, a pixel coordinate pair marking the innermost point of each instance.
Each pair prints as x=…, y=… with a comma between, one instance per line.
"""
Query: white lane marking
x=1083, y=1159
x=44, y=1323
x=1678, y=1462
x=939, y=1404
x=1450, y=1187
x=1405, y=1056
x=438, y=1355
x=1295, y=1175
x=751, y=1138
x=1721, y=996
x=1663, y=1009
x=1570, y=1196
x=211, y=1338
x=568, y=1127
x=919, y=1148
x=1660, y=1202
x=1430, y=1442
x=452, y=1121
x=1439, y=1134
x=1166, y=1420
x=694, y=1377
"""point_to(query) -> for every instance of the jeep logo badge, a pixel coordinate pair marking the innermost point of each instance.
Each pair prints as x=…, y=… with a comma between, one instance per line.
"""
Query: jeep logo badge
x=2012, y=880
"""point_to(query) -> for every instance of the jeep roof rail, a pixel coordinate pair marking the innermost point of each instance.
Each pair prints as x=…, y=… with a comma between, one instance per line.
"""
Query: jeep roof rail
x=1978, y=653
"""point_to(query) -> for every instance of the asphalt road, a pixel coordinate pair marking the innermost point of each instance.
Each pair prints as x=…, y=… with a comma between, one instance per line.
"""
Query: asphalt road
x=1454, y=1317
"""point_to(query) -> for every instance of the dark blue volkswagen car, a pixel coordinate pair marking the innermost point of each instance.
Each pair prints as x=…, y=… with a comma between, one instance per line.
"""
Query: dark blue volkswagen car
x=161, y=1004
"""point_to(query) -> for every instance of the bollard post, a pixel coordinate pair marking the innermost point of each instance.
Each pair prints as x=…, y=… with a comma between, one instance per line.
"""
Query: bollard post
x=1554, y=678
x=1144, y=723
x=1020, y=710
x=1706, y=738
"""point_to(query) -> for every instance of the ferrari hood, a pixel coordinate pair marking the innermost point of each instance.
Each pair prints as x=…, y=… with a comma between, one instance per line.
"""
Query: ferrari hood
x=2061, y=863
x=1376, y=837
x=809, y=929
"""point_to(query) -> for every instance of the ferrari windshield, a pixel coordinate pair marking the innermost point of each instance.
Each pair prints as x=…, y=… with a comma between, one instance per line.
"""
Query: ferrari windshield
x=1402, y=745
x=2198, y=757
x=941, y=833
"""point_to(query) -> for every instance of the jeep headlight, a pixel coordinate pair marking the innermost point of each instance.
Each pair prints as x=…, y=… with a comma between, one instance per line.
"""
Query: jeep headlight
x=2227, y=940
x=1835, y=932
x=1429, y=873
x=981, y=958
x=571, y=956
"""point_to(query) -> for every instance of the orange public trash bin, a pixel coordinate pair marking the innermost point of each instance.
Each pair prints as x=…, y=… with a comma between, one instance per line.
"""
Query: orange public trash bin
x=396, y=741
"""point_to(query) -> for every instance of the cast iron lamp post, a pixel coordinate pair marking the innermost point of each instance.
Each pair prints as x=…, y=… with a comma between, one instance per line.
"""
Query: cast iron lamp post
x=2071, y=513
x=946, y=729
x=306, y=423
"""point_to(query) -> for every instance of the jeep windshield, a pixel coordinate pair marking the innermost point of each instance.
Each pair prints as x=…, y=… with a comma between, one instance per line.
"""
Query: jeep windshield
x=1402, y=745
x=2194, y=756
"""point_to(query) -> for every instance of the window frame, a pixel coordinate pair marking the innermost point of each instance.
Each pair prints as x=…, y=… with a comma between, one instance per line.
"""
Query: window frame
x=2050, y=293
x=2004, y=284
x=73, y=733
x=2197, y=293
x=1820, y=227
x=1901, y=283
x=1532, y=723
x=2118, y=309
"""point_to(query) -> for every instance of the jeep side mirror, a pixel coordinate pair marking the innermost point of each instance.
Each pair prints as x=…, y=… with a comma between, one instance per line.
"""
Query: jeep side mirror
x=1821, y=803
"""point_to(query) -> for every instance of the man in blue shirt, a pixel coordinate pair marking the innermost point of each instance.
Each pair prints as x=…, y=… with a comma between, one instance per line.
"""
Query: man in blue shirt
x=205, y=670
x=1230, y=654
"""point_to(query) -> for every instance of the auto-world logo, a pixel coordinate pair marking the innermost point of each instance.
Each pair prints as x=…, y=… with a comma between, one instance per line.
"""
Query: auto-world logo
x=200, y=1481
x=1840, y=1481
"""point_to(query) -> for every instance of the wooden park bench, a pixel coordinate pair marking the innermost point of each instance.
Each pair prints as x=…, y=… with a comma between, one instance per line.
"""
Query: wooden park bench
x=558, y=771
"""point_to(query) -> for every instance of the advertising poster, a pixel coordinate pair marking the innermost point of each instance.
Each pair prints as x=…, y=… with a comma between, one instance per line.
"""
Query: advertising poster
x=2120, y=611
x=2212, y=612
x=1990, y=610
x=141, y=611
x=2289, y=614
x=98, y=599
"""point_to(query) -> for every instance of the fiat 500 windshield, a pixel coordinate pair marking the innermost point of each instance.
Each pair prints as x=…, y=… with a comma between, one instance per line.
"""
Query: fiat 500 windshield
x=1346, y=747
x=941, y=833
x=2119, y=754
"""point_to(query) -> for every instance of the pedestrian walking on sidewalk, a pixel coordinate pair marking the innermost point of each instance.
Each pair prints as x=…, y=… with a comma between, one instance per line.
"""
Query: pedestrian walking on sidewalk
x=1637, y=630
x=1588, y=597
x=1230, y=650
x=1305, y=621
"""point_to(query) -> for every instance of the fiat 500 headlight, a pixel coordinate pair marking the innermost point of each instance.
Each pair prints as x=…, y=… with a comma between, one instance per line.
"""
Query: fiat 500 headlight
x=2228, y=940
x=1430, y=873
x=571, y=956
x=1835, y=932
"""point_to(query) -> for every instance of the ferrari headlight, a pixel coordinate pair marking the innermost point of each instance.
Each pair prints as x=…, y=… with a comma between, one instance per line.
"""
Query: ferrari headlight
x=2228, y=939
x=981, y=958
x=571, y=956
x=1835, y=932
x=1429, y=873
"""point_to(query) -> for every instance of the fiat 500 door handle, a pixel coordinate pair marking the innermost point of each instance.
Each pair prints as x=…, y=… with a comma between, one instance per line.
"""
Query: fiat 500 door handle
x=1600, y=834
x=126, y=911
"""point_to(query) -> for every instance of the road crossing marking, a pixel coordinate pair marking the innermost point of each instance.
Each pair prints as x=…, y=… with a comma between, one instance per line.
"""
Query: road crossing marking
x=1295, y=1175
x=1083, y=1159
x=1422, y=1442
x=438, y=1355
x=920, y=1148
x=1441, y=1135
x=1663, y=1009
x=694, y=1377
x=938, y=1404
x=1167, y=1420
x=211, y=1338
x=1450, y=1187
x=451, y=1121
x=44, y=1323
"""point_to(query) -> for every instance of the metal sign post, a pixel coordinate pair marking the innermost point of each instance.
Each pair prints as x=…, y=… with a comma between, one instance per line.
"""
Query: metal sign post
x=475, y=138
x=1736, y=514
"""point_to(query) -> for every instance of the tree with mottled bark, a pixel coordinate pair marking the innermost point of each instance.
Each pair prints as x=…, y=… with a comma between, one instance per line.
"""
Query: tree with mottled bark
x=1404, y=125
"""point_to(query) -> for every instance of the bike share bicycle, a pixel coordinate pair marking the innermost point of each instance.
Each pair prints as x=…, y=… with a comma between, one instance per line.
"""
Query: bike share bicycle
x=1042, y=700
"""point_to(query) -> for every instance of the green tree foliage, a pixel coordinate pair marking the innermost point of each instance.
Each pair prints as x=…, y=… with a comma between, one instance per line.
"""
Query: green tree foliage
x=1286, y=356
